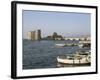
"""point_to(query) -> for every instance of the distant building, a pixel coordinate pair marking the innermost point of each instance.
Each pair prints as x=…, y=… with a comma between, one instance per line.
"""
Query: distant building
x=31, y=35
x=59, y=37
x=38, y=35
x=34, y=35
x=55, y=36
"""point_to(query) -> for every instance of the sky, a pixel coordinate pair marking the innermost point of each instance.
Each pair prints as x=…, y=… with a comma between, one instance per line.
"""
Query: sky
x=66, y=24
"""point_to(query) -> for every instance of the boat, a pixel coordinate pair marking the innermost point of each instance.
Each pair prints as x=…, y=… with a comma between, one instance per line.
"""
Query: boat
x=77, y=59
x=71, y=44
x=60, y=45
x=83, y=44
x=80, y=45
x=63, y=45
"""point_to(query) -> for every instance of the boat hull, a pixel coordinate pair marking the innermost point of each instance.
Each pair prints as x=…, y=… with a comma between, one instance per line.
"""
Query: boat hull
x=71, y=62
x=60, y=45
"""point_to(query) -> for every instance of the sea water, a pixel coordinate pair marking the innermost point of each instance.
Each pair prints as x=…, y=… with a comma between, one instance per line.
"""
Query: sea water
x=43, y=54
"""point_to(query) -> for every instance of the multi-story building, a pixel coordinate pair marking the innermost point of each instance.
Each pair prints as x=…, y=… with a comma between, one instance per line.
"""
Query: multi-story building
x=38, y=34
x=34, y=35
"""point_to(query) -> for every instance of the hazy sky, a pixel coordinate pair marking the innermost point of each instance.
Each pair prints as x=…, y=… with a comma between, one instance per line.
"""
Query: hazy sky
x=64, y=23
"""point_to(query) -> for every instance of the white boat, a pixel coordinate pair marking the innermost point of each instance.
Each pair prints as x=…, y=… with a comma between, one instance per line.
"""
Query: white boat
x=80, y=45
x=75, y=59
x=60, y=45
x=64, y=45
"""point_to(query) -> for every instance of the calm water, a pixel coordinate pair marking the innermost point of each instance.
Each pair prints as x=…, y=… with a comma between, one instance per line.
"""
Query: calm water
x=43, y=54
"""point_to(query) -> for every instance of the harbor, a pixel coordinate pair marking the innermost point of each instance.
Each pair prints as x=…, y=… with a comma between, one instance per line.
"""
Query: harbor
x=44, y=54
x=55, y=51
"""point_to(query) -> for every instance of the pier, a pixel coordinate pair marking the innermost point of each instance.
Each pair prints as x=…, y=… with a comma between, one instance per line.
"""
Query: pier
x=78, y=39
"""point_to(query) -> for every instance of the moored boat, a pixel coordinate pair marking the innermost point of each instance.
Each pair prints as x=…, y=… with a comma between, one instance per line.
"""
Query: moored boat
x=67, y=44
x=77, y=59
x=60, y=45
